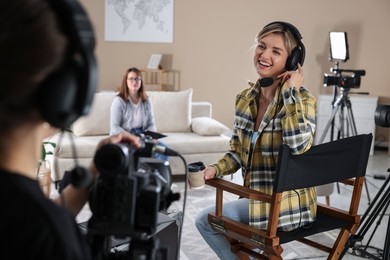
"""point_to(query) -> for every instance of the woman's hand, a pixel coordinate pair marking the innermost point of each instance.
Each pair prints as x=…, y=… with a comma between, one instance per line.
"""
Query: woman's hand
x=294, y=78
x=209, y=172
x=122, y=137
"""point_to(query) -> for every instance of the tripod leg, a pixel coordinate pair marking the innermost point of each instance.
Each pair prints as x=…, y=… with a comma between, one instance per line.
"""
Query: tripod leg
x=331, y=120
x=386, y=248
x=351, y=118
x=381, y=200
x=351, y=121
x=377, y=224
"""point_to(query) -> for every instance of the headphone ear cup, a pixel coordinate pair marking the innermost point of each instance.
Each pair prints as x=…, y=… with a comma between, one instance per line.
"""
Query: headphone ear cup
x=57, y=96
x=67, y=93
x=297, y=54
x=293, y=59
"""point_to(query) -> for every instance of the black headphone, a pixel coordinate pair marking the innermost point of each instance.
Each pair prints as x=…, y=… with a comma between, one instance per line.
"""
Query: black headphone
x=67, y=93
x=297, y=54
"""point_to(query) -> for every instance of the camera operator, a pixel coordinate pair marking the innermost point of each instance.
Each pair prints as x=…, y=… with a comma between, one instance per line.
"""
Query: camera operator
x=32, y=48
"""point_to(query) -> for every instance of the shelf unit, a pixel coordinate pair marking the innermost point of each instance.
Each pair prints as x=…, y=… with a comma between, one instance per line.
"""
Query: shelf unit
x=363, y=110
x=160, y=80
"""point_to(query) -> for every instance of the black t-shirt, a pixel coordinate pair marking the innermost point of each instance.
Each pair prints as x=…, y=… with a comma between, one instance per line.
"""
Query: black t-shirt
x=34, y=227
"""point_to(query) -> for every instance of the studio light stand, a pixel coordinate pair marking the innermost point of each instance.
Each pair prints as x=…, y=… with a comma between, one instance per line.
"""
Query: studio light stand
x=377, y=210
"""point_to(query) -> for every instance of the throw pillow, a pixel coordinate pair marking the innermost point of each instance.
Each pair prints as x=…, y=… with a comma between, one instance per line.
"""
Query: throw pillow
x=97, y=122
x=172, y=110
x=208, y=126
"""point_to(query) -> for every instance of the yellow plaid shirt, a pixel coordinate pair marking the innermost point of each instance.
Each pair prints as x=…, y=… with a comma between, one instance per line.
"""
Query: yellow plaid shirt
x=292, y=121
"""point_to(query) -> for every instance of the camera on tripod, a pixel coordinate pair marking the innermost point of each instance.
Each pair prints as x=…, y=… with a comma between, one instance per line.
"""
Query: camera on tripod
x=338, y=52
x=351, y=81
x=125, y=200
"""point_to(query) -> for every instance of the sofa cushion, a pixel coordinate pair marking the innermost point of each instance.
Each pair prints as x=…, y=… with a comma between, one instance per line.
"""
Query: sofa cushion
x=207, y=126
x=172, y=110
x=97, y=122
x=191, y=143
x=184, y=143
x=85, y=146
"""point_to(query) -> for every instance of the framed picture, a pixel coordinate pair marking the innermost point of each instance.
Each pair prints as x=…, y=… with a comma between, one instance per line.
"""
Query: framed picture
x=154, y=61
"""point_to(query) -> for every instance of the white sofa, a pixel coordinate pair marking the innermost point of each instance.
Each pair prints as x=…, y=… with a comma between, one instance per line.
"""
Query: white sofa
x=189, y=127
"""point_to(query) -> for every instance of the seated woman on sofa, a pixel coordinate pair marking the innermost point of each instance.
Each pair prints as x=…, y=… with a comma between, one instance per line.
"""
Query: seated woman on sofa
x=131, y=110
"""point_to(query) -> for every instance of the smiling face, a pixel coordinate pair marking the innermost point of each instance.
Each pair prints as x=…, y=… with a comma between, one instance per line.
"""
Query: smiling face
x=270, y=56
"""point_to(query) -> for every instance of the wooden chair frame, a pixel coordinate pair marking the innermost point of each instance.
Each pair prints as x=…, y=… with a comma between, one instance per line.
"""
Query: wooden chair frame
x=320, y=165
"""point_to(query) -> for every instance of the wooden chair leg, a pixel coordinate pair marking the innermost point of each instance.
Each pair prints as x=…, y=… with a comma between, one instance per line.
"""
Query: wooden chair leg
x=243, y=256
x=340, y=244
x=327, y=200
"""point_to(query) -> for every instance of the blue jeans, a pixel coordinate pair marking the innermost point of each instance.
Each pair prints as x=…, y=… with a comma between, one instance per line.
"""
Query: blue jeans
x=237, y=210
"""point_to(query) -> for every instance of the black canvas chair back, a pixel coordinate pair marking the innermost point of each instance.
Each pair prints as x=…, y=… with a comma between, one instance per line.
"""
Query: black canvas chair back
x=322, y=164
x=344, y=160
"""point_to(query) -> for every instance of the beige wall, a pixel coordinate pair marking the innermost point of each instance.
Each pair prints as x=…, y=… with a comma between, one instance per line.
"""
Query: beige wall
x=213, y=40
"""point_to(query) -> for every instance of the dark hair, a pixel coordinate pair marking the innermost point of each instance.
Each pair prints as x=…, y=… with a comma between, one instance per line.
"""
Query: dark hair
x=124, y=90
x=31, y=46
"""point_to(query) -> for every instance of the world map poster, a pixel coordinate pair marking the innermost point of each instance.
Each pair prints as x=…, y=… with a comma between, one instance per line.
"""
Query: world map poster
x=139, y=20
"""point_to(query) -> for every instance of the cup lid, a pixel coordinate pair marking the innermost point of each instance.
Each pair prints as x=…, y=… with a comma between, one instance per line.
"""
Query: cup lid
x=196, y=166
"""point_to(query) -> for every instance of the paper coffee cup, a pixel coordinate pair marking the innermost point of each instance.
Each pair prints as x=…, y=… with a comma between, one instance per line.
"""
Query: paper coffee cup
x=196, y=175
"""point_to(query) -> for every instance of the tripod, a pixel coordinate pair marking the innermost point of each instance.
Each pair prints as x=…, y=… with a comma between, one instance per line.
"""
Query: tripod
x=341, y=102
x=346, y=125
x=377, y=208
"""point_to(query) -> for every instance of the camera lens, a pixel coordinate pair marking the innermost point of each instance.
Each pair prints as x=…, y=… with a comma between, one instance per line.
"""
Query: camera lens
x=112, y=158
x=382, y=115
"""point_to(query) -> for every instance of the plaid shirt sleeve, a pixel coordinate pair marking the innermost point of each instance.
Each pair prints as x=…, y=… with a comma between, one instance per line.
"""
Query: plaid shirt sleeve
x=299, y=123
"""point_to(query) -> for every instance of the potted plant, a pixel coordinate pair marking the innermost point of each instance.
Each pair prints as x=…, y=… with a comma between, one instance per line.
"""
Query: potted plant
x=44, y=167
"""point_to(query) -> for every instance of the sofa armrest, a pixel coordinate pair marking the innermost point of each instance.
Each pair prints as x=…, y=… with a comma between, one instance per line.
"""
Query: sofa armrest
x=201, y=109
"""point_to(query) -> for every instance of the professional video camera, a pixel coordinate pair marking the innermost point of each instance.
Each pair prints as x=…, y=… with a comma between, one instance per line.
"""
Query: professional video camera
x=338, y=47
x=126, y=198
x=382, y=115
x=351, y=81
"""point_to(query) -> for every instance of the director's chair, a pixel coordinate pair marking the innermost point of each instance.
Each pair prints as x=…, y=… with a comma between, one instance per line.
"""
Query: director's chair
x=343, y=160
